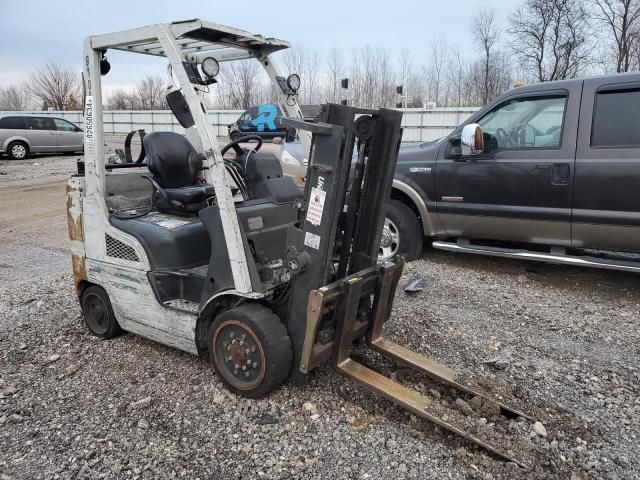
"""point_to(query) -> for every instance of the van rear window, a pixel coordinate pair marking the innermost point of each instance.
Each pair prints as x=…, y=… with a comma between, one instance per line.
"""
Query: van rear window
x=616, y=119
x=13, y=123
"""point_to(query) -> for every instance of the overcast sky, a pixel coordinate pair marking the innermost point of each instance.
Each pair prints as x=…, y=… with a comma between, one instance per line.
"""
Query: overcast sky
x=36, y=31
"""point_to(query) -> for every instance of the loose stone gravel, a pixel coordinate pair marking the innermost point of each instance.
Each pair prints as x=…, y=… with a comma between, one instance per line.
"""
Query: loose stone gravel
x=73, y=406
x=561, y=344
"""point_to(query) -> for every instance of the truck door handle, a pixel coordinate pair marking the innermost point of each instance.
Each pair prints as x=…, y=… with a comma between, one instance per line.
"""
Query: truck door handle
x=560, y=174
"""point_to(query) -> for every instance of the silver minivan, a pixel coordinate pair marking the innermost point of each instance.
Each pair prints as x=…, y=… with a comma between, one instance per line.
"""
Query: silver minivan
x=22, y=135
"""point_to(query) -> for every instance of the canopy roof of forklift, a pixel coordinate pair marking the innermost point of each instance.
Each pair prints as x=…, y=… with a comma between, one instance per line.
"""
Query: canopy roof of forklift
x=194, y=37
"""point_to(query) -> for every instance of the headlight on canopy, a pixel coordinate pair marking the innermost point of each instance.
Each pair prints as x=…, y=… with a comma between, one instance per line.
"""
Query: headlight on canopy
x=210, y=67
x=293, y=82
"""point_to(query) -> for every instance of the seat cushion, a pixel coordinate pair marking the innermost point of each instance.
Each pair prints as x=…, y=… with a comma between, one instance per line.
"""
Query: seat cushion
x=191, y=194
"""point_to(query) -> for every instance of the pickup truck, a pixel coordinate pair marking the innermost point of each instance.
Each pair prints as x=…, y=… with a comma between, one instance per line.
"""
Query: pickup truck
x=547, y=172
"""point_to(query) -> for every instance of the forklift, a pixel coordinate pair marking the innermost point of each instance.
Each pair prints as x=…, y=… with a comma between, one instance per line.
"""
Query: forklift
x=215, y=252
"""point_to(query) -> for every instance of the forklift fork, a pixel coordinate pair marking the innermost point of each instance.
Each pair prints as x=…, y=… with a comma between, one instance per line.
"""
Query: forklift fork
x=350, y=325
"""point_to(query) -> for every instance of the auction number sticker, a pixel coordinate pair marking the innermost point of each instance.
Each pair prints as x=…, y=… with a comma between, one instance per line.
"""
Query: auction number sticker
x=88, y=123
x=316, y=206
x=312, y=240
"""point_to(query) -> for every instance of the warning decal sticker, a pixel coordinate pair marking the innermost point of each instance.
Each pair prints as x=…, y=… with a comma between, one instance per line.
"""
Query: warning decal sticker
x=312, y=240
x=316, y=205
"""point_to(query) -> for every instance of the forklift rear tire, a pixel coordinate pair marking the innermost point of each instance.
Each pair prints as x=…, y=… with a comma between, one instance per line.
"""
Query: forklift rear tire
x=250, y=350
x=98, y=313
x=402, y=233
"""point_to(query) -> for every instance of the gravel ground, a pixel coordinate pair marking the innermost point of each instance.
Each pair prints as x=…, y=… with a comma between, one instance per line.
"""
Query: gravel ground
x=559, y=343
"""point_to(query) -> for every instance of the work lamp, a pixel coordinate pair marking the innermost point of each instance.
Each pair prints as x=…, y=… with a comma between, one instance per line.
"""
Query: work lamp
x=293, y=82
x=210, y=67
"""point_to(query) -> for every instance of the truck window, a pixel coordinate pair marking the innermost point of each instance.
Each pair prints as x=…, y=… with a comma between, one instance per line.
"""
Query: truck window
x=527, y=123
x=12, y=123
x=616, y=119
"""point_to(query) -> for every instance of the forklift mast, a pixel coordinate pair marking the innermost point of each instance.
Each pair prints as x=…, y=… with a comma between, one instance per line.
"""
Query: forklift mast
x=328, y=240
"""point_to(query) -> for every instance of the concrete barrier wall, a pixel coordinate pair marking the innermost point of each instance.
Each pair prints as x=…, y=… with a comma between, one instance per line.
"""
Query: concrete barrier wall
x=419, y=125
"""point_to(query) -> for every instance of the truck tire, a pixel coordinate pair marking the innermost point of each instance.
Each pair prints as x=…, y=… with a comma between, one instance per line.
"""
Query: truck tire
x=18, y=150
x=402, y=233
x=98, y=313
x=250, y=349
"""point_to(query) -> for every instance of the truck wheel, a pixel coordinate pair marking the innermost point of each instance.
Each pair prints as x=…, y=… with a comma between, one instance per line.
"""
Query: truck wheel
x=250, y=350
x=234, y=136
x=98, y=313
x=402, y=234
x=18, y=150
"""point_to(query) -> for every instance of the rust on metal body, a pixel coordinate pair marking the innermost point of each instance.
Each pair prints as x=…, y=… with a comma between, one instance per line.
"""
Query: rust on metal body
x=74, y=213
x=76, y=234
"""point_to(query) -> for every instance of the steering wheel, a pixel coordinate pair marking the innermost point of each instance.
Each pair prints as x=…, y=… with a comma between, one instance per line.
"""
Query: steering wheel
x=235, y=145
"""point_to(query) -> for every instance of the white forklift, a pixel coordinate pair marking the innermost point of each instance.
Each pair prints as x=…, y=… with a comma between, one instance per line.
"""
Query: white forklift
x=222, y=255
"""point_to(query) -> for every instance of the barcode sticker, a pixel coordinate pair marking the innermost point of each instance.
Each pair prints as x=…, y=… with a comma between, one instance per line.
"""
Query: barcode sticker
x=312, y=240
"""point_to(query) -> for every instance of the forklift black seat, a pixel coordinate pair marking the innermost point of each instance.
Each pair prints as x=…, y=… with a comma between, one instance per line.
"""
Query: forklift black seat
x=175, y=166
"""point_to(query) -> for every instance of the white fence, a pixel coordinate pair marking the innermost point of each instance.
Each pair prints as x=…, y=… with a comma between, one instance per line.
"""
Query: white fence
x=419, y=125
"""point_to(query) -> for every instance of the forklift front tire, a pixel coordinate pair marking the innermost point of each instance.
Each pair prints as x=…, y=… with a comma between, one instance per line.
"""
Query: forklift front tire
x=98, y=313
x=250, y=350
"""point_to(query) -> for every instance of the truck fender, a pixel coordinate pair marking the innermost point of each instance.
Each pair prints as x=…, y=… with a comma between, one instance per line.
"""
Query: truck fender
x=403, y=191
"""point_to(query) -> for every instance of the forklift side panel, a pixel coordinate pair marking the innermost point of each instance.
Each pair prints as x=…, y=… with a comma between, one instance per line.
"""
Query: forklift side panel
x=130, y=293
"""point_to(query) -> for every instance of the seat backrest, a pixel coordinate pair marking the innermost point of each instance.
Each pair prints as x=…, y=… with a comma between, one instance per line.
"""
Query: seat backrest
x=171, y=159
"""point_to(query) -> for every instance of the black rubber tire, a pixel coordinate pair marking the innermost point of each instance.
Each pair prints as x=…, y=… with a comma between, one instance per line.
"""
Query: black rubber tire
x=234, y=136
x=95, y=301
x=409, y=229
x=10, y=147
x=273, y=350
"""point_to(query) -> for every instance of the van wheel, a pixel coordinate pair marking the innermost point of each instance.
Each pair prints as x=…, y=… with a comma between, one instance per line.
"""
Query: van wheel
x=402, y=234
x=98, y=313
x=18, y=150
x=235, y=136
x=250, y=350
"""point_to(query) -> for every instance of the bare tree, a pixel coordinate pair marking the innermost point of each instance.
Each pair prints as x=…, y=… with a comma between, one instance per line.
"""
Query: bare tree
x=621, y=19
x=335, y=73
x=485, y=31
x=151, y=93
x=438, y=67
x=551, y=38
x=13, y=98
x=55, y=86
x=241, y=85
x=123, y=100
x=456, y=75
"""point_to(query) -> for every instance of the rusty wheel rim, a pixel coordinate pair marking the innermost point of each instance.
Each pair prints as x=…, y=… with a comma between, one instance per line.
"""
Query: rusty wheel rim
x=239, y=355
x=96, y=314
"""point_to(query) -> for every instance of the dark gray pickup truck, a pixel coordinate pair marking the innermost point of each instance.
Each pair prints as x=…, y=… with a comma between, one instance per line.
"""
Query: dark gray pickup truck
x=547, y=172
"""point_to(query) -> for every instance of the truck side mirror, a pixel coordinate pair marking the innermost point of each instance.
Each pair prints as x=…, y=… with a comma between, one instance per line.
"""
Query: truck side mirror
x=471, y=140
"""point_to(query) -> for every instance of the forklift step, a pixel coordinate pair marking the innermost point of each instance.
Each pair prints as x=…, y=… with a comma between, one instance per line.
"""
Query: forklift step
x=182, y=305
